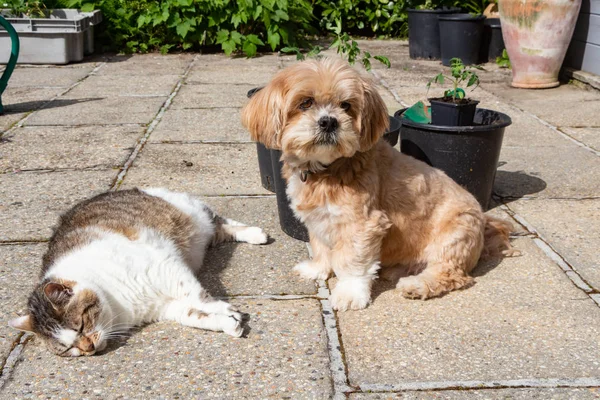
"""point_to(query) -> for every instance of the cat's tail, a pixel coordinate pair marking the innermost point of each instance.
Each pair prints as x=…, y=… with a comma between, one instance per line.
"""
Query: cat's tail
x=497, y=239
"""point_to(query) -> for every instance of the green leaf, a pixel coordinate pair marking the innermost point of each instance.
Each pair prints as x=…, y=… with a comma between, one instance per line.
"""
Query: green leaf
x=473, y=80
x=222, y=36
x=183, y=28
x=236, y=37
x=228, y=46
x=384, y=60
x=235, y=20
x=254, y=39
x=273, y=39
x=249, y=48
x=257, y=12
x=282, y=15
x=87, y=7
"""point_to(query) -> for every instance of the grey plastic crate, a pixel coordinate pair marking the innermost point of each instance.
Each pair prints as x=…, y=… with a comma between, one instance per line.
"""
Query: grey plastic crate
x=58, y=39
x=95, y=17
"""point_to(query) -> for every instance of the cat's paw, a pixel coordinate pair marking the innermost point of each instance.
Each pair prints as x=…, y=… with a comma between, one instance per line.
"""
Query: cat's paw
x=311, y=271
x=252, y=235
x=232, y=325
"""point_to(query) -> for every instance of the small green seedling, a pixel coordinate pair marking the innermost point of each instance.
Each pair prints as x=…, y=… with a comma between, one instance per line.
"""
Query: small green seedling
x=503, y=61
x=459, y=76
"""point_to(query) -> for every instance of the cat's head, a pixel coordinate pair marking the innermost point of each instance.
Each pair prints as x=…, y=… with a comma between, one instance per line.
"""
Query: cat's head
x=68, y=317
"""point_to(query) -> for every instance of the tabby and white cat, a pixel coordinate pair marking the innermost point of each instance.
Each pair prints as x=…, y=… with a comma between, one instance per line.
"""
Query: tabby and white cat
x=126, y=258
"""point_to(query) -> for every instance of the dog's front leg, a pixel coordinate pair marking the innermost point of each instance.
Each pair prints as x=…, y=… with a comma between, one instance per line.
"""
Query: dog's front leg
x=319, y=267
x=355, y=261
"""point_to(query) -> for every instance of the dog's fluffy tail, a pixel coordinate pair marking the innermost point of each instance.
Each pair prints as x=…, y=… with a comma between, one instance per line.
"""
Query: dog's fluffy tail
x=496, y=239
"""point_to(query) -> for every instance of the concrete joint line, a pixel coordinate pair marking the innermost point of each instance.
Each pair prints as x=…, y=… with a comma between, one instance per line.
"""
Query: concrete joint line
x=13, y=359
x=383, y=83
x=555, y=256
x=499, y=384
x=22, y=121
x=277, y=297
x=205, y=142
x=556, y=129
x=151, y=127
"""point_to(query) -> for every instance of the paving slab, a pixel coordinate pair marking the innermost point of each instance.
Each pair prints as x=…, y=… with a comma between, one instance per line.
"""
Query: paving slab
x=36, y=147
x=504, y=394
x=547, y=171
x=148, y=65
x=251, y=74
x=211, y=60
x=203, y=169
x=47, y=76
x=201, y=124
x=211, y=96
x=566, y=105
x=125, y=86
x=19, y=268
x=19, y=101
x=30, y=202
x=283, y=355
x=522, y=319
x=588, y=136
x=99, y=110
x=243, y=269
x=571, y=228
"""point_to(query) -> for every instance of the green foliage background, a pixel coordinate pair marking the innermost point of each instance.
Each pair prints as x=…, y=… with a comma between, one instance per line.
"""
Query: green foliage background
x=241, y=25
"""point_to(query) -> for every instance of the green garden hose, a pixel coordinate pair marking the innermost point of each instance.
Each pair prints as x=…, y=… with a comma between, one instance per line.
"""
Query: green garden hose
x=14, y=54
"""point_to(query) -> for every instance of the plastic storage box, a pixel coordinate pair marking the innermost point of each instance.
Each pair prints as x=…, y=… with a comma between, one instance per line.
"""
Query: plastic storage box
x=58, y=39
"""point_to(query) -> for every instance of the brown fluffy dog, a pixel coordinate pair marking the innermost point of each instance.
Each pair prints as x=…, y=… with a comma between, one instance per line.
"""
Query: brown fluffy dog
x=364, y=203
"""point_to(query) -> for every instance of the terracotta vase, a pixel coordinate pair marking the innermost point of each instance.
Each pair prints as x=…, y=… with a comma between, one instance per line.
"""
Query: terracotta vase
x=537, y=34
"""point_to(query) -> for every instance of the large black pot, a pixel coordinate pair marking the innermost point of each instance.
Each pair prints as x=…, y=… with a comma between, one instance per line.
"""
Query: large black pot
x=492, y=43
x=424, y=33
x=265, y=167
x=467, y=154
x=460, y=36
x=287, y=219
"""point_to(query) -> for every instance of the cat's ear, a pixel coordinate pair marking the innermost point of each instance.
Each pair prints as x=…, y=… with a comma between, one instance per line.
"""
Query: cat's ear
x=58, y=294
x=22, y=323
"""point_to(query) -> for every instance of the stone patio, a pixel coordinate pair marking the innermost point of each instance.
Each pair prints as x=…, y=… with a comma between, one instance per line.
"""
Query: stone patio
x=528, y=329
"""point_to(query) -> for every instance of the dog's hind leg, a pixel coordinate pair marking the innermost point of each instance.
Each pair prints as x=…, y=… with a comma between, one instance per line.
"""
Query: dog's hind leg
x=449, y=258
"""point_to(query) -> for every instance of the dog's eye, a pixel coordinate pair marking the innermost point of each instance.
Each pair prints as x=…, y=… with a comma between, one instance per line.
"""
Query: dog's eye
x=345, y=106
x=306, y=104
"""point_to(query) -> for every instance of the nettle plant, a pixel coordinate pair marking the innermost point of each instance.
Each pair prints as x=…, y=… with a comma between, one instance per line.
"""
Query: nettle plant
x=460, y=75
x=345, y=46
x=30, y=9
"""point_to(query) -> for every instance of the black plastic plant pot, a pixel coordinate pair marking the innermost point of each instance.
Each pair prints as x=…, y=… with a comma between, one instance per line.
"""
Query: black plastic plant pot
x=467, y=154
x=493, y=42
x=391, y=135
x=287, y=219
x=448, y=113
x=460, y=36
x=424, y=33
x=266, y=167
x=264, y=159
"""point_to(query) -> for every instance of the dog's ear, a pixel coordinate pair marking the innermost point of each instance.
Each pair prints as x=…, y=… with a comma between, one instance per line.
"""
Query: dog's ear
x=374, y=116
x=263, y=115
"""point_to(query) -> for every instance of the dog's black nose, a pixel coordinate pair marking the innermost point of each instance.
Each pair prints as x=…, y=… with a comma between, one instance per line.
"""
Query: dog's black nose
x=328, y=124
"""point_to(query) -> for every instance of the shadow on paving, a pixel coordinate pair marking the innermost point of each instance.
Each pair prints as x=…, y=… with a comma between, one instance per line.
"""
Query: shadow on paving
x=29, y=106
x=512, y=185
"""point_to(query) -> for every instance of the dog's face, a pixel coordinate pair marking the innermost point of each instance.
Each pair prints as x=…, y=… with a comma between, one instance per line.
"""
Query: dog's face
x=317, y=112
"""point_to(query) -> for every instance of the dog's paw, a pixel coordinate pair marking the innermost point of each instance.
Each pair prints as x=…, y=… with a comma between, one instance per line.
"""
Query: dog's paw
x=413, y=287
x=252, y=235
x=351, y=294
x=311, y=271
